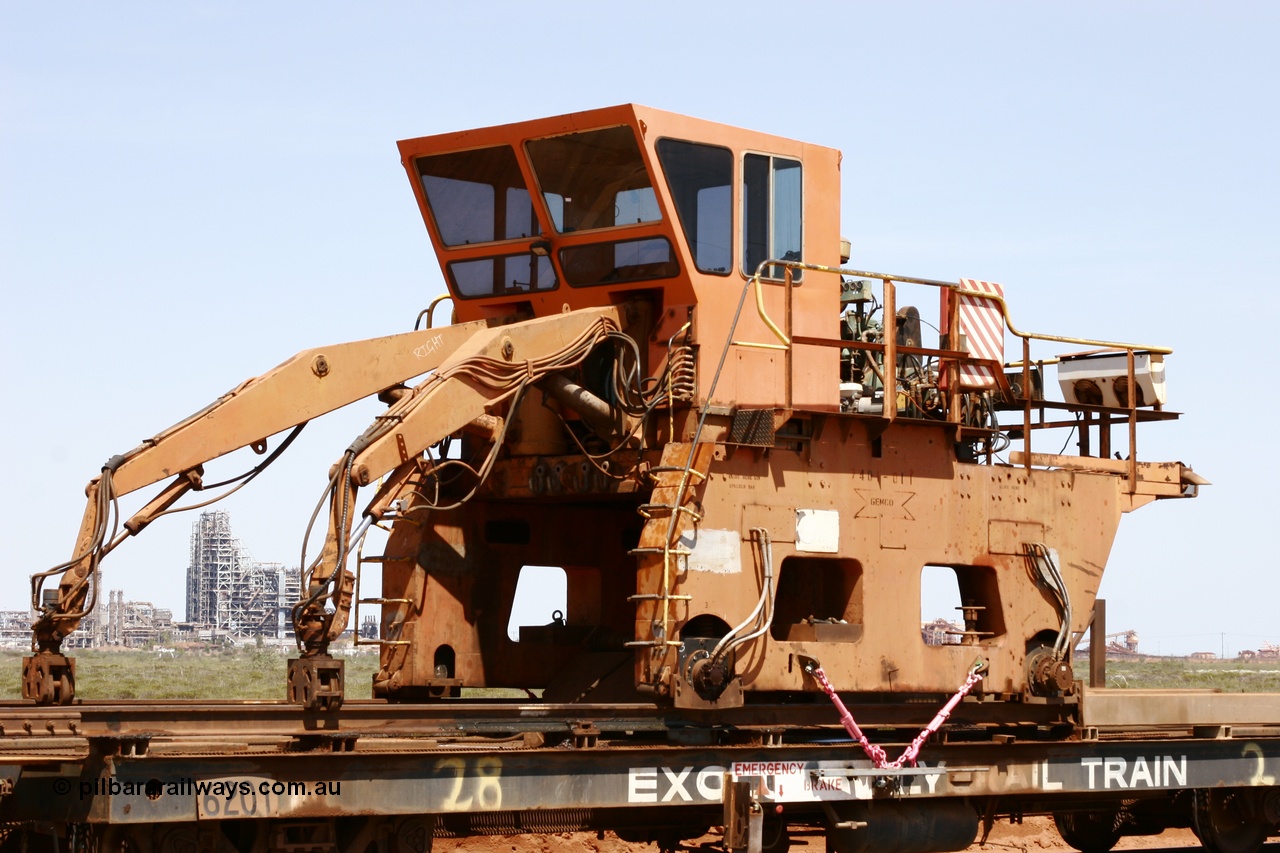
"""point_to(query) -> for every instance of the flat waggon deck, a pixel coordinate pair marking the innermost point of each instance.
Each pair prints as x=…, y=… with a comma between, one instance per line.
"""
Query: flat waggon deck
x=155, y=762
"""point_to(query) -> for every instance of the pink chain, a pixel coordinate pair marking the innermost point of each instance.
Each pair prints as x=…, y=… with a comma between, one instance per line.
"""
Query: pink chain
x=909, y=755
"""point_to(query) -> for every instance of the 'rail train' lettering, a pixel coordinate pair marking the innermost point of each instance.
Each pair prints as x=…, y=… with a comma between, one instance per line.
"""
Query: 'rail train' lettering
x=1161, y=771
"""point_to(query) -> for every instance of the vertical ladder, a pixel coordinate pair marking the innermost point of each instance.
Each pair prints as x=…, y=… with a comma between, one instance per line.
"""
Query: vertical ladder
x=683, y=468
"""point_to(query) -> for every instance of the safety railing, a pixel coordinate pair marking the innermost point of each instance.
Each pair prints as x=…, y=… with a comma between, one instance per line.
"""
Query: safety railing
x=952, y=355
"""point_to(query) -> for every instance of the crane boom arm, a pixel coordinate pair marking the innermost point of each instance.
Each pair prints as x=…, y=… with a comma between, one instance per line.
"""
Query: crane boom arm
x=311, y=383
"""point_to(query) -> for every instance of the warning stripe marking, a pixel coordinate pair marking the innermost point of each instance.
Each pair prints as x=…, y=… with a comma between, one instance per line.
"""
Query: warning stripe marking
x=982, y=324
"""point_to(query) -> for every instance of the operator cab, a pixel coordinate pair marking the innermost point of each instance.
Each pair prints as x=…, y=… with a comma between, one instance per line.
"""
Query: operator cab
x=582, y=210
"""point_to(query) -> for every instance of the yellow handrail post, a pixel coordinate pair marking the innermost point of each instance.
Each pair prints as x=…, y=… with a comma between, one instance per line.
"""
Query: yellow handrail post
x=890, y=351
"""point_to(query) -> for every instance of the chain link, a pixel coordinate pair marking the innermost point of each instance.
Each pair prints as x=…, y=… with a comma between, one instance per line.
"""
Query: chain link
x=877, y=755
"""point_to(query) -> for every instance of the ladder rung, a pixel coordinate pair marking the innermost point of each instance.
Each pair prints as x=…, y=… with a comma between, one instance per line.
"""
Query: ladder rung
x=674, y=469
x=665, y=511
x=650, y=643
x=383, y=558
x=679, y=552
x=653, y=596
x=385, y=601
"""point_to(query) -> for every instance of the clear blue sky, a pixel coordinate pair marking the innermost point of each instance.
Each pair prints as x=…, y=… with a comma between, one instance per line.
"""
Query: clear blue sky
x=190, y=193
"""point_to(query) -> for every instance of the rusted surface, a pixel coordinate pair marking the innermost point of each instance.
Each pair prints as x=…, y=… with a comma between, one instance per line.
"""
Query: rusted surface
x=726, y=487
x=898, y=492
x=193, y=721
x=504, y=780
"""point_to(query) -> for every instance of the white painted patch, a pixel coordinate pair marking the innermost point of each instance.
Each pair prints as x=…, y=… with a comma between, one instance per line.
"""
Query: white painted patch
x=718, y=551
x=818, y=531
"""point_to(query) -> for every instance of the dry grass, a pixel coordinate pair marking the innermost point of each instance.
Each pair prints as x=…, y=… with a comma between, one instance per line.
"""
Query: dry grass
x=250, y=673
x=1229, y=676
x=258, y=673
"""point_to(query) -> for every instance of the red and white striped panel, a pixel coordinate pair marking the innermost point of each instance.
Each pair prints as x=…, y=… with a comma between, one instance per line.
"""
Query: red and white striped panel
x=982, y=324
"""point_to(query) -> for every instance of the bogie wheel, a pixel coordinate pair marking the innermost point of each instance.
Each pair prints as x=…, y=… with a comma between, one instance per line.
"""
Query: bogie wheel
x=1089, y=832
x=1224, y=823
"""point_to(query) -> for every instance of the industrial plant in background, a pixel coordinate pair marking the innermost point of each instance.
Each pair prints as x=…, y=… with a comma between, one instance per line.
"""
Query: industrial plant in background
x=230, y=597
x=229, y=594
x=112, y=622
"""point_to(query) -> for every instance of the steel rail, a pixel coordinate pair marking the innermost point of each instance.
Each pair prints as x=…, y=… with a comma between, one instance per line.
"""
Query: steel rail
x=43, y=726
x=141, y=719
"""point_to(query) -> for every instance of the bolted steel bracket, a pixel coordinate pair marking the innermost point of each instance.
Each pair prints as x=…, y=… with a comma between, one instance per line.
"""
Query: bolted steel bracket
x=738, y=806
x=585, y=735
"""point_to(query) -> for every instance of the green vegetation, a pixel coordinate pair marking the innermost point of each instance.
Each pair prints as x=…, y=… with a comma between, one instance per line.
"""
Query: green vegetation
x=1228, y=676
x=258, y=673
x=244, y=673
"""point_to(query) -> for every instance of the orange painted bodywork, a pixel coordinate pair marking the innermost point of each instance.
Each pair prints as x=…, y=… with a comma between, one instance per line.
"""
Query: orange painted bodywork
x=735, y=471
x=709, y=299
x=646, y=591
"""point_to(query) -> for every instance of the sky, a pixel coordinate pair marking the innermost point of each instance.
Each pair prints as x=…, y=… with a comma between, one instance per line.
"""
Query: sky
x=191, y=193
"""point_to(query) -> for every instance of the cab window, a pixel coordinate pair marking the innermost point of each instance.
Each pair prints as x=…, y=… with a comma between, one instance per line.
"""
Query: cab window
x=620, y=261
x=477, y=196
x=502, y=276
x=771, y=212
x=700, y=178
x=595, y=179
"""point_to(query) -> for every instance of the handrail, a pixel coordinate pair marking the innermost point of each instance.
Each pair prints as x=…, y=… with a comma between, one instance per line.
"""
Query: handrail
x=949, y=285
x=890, y=407
x=430, y=310
x=764, y=315
x=1063, y=339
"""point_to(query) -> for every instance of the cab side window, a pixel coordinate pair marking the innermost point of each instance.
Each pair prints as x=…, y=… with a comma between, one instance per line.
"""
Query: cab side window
x=700, y=178
x=772, y=212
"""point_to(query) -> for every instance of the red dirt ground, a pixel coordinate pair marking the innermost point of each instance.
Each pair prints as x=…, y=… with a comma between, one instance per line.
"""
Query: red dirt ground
x=1034, y=834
